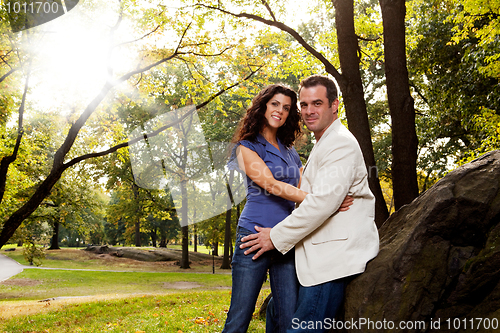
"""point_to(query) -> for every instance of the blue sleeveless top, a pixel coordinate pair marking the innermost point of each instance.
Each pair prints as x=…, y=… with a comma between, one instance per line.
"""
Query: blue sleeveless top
x=262, y=208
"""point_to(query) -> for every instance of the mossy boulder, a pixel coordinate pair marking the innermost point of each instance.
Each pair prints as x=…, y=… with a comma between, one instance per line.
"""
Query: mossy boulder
x=439, y=257
x=160, y=254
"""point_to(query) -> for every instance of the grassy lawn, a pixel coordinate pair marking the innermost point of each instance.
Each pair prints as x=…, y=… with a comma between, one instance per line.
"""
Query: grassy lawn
x=79, y=259
x=202, y=311
x=37, y=284
x=150, y=299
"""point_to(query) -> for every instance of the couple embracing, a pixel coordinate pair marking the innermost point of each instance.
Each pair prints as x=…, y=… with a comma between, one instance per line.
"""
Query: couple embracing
x=311, y=226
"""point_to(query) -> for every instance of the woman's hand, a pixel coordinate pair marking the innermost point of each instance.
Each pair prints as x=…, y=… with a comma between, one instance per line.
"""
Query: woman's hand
x=344, y=206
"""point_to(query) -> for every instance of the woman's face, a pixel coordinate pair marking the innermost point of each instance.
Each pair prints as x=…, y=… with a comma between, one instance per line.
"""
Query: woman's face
x=277, y=110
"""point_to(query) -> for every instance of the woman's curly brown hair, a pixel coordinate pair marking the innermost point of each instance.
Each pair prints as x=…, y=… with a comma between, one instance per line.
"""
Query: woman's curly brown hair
x=253, y=122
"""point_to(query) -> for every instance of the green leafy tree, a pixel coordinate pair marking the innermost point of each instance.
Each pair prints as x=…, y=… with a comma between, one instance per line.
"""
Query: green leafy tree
x=453, y=91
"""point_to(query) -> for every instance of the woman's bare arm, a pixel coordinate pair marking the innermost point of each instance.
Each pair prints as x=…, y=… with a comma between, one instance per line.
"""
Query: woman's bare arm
x=255, y=168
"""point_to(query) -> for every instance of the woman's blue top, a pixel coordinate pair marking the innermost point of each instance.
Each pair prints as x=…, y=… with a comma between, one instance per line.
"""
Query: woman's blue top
x=262, y=208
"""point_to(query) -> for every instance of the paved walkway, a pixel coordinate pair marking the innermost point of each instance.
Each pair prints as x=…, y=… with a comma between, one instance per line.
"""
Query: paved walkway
x=9, y=267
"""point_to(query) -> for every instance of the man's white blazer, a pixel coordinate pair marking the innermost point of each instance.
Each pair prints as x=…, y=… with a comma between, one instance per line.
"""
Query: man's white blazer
x=328, y=244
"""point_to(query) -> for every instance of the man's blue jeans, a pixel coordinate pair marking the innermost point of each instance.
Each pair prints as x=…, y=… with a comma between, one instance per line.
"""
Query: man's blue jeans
x=314, y=305
x=317, y=303
x=248, y=276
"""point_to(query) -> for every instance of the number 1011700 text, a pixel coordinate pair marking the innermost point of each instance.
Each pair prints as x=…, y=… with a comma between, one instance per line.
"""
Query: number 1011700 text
x=32, y=8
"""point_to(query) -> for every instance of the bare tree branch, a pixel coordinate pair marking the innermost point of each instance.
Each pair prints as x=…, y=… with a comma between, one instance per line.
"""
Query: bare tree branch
x=374, y=39
x=419, y=92
x=328, y=65
x=209, y=55
x=138, y=39
x=6, y=75
x=4, y=56
x=159, y=130
x=264, y=2
x=75, y=128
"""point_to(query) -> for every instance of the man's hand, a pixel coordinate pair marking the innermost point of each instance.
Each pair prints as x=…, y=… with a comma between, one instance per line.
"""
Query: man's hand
x=260, y=241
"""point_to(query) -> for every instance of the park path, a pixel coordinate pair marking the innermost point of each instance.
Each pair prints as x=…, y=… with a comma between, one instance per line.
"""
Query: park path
x=9, y=267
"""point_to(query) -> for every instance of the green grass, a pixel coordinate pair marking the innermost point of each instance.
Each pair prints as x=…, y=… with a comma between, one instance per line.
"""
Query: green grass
x=118, y=301
x=36, y=284
x=203, y=311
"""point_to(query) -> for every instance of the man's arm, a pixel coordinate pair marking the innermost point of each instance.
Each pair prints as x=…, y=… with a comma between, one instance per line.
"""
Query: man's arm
x=332, y=182
x=262, y=239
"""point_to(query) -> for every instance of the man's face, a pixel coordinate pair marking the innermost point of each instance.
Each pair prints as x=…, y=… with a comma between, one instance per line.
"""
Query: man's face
x=316, y=111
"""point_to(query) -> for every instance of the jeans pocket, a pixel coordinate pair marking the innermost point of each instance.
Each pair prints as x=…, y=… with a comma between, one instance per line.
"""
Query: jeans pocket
x=240, y=233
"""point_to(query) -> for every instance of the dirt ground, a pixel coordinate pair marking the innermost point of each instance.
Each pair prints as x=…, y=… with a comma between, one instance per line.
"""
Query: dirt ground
x=111, y=262
x=12, y=309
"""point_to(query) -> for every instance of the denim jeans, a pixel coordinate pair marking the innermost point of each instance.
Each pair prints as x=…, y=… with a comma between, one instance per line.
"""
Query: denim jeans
x=315, y=304
x=248, y=276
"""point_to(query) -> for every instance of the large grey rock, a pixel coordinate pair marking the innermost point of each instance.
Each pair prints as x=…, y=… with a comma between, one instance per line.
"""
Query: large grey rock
x=159, y=254
x=439, y=258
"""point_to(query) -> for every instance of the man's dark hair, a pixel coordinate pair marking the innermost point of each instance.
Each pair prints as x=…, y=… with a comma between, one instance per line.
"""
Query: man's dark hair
x=320, y=80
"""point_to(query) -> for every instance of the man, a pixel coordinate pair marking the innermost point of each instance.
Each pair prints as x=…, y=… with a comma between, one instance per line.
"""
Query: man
x=329, y=245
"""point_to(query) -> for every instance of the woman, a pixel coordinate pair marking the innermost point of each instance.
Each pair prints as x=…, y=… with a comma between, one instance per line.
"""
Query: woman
x=273, y=168
x=265, y=153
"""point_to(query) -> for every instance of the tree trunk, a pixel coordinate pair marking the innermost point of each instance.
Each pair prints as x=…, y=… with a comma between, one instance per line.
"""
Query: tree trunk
x=163, y=235
x=14, y=221
x=404, y=137
x=184, y=229
x=353, y=94
x=226, y=262
x=195, y=236
x=137, y=229
x=216, y=249
x=237, y=219
x=153, y=237
x=54, y=244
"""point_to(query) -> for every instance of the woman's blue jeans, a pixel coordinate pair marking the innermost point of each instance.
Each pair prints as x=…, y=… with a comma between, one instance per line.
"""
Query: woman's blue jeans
x=248, y=276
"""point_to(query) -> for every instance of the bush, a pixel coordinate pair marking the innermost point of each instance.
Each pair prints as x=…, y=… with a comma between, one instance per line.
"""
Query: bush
x=33, y=253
